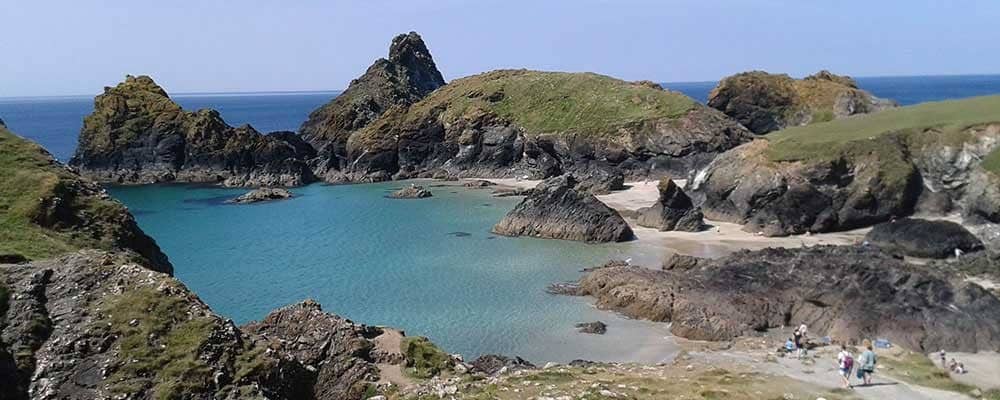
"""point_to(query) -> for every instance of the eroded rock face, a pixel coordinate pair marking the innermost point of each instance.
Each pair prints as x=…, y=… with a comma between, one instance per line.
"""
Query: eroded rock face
x=496, y=125
x=673, y=210
x=766, y=102
x=334, y=351
x=556, y=210
x=406, y=76
x=848, y=293
x=137, y=134
x=262, y=194
x=777, y=199
x=93, y=325
x=923, y=238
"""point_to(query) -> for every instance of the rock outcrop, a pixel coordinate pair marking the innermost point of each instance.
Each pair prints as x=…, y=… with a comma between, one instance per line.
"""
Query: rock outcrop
x=137, y=134
x=534, y=125
x=493, y=364
x=405, y=77
x=857, y=172
x=262, y=194
x=556, y=210
x=93, y=325
x=672, y=211
x=766, y=102
x=411, y=192
x=594, y=328
x=923, y=238
x=848, y=293
x=49, y=210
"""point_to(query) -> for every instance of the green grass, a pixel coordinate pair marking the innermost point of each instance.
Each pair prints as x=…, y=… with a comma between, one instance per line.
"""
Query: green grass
x=947, y=119
x=556, y=102
x=919, y=370
x=423, y=358
x=159, y=344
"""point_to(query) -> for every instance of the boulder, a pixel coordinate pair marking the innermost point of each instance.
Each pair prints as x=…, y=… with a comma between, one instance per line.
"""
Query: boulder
x=846, y=292
x=923, y=238
x=411, y=192
x=596, y=327
x=556, y=210
x=672, y=211
x=137, y=134
x=766, y=102
x=262, y=194
x=492, y=364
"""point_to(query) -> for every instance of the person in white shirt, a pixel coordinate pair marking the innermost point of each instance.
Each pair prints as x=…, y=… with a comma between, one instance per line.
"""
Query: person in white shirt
x=846, y=363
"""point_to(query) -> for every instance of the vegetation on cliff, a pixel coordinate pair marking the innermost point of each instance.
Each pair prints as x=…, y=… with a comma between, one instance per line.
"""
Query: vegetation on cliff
x=557, y=102
x=47, y=210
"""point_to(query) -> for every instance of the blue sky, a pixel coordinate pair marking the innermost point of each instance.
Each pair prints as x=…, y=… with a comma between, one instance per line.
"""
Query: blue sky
x=78, y=47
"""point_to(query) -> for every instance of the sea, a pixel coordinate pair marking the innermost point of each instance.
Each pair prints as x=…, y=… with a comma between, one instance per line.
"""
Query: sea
x=430, y=267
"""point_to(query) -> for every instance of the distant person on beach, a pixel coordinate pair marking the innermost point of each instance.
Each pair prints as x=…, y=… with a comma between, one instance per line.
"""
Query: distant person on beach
x=800, y=340
x=944, y=359
x=867, y=363
x=846, y=363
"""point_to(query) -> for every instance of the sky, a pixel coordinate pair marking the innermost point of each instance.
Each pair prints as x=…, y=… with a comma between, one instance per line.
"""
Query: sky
x=78, y=47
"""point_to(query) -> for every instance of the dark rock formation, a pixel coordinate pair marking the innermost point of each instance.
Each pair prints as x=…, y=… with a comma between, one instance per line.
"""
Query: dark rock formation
x=137, y=134
x=262, y=194
x=766, y=102
x=478, y=183
x=599, y=180
x=50, y=210
x=595, y=328
x=923, y=238
x=335, y=352
x=849, y=293
x=849, y=191
x=492, y=364
x=788, y=185
x=505, y=124
x=405, y=77
x=681, y=262
x=411, y=192
x=673, y=210
x=93, y=325
x=557, y=211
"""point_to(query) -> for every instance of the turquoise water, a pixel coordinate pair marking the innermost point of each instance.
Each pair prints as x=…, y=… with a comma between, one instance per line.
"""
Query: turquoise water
x=428, y=266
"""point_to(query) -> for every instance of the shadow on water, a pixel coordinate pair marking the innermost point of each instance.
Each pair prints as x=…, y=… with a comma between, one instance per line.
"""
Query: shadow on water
x=460, y=234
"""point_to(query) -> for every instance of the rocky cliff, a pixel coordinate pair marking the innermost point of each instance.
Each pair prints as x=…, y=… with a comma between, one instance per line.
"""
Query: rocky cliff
x=539, y=124
x=46, y=210
x=137, y=134
x=860, y=171
x=849, y=293
x=766, y=102
x=405, y=77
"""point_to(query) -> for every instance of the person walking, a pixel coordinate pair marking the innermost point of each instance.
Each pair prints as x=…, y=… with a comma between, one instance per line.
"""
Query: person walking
x=800, y=341
x=846, y=363
x=867, y=363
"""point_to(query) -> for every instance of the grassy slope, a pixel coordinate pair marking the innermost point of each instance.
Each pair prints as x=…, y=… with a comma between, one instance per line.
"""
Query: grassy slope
x=823, y=140
x=553, y=102
x=28, y=174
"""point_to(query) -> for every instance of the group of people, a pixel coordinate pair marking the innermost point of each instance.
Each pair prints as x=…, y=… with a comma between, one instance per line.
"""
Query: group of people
x=953, y=366
x=797, y=342
x=865, y=364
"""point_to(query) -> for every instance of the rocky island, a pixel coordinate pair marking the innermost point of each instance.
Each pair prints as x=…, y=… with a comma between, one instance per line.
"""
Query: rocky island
x=138, y=135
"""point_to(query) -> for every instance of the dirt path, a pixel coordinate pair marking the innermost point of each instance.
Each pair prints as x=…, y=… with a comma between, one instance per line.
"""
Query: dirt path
x=983, y=367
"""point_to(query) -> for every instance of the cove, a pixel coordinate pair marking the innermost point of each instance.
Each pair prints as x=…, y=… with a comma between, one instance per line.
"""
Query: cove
x=430, y=266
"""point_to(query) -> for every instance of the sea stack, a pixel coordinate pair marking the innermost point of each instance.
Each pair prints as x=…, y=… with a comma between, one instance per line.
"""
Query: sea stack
x=672, y=211
x=556, y=210
x=137, y=134
x=405, y=77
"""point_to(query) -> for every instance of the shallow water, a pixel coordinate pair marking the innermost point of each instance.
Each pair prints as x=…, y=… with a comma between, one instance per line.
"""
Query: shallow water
x=429, y=266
